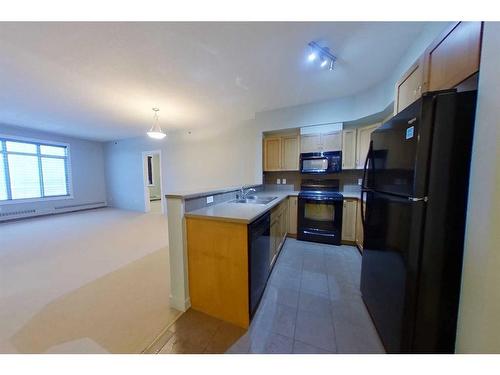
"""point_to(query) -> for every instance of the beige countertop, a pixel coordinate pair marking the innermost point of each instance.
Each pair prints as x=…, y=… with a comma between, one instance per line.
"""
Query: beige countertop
x=246, y=213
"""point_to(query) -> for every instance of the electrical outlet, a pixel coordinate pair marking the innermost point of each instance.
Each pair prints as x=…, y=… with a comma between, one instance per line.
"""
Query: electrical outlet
x=210, y=199
x=283, y=181
x=278, y=181
x=360, y=181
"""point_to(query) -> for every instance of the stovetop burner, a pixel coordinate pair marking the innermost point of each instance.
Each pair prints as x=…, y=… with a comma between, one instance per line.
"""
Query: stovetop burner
x=314, y=188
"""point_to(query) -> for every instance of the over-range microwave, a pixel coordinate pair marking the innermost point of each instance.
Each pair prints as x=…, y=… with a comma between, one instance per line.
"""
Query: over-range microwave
x=321, y=162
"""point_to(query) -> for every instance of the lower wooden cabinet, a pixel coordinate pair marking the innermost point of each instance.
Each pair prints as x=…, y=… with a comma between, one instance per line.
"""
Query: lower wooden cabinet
x=292, y=215
x=359, y=225
x=278, y=229
x=349, y=220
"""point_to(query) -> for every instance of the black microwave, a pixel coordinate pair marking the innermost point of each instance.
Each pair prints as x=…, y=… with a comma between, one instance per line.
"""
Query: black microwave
x=321, y=162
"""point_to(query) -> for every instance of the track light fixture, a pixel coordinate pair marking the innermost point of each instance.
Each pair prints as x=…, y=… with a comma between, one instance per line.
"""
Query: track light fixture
x=324, y=54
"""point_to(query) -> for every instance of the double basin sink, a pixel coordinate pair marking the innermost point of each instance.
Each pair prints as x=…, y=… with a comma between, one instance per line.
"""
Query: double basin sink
x=254, y=200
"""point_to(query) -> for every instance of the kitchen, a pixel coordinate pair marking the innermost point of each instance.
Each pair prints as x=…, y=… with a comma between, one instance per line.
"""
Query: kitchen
x=320, y=186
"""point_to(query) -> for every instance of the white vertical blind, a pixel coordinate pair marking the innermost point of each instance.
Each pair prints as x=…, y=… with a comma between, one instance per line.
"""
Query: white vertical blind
x=31, y=169
x=3, y=183
x=24, y=176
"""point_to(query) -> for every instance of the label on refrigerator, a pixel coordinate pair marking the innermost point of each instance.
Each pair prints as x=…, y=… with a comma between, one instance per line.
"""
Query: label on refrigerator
x=409, y=132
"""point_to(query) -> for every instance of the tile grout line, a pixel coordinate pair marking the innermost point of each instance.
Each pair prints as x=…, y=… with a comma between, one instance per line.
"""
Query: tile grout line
x=331, y=308
x=298, y=301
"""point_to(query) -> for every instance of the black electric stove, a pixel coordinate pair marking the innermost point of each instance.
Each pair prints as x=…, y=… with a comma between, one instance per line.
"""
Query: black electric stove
x=320, y=211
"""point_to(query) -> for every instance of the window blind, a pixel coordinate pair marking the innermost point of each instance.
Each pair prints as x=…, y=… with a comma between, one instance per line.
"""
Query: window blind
x=33, y=170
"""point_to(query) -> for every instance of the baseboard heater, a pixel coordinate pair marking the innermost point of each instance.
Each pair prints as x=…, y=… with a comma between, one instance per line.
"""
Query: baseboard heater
x=25, y=214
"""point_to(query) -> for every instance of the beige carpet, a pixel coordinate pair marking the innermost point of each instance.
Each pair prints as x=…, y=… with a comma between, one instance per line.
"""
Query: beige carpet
x=88, y=282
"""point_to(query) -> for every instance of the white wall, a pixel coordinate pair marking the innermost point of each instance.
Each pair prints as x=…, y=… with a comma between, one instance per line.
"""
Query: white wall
x=87, y=166
x=479, y=316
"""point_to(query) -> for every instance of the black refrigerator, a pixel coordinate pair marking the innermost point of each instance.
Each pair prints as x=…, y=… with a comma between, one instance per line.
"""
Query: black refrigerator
x=415, y=185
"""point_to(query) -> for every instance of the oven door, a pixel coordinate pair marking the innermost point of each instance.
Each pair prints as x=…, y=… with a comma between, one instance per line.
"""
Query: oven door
x=320, y=219
x=314, y=165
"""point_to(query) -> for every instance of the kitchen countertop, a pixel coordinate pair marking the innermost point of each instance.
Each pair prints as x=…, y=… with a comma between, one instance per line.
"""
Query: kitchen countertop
x=198, y=194
x=247, y=212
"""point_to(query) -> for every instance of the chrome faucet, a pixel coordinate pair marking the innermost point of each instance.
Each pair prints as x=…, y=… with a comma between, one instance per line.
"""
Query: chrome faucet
x=244, y=193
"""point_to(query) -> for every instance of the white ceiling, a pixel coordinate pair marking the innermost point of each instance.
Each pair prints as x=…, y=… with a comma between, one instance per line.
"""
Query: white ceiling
x=100, y=80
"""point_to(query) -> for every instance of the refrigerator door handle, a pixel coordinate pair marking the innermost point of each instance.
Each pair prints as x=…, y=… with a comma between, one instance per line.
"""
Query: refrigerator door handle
x=419, y=199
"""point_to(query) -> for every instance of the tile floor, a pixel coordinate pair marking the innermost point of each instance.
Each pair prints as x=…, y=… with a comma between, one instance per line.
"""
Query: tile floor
x=312, y=304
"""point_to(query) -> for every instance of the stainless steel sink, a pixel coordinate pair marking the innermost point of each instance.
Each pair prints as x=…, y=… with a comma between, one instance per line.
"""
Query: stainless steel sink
x=254, y=200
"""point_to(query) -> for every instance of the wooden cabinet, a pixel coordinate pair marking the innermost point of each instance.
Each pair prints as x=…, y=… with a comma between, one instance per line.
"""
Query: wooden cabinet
x=291, y=151
x=409, y=87
x=454, y=56
x=359, y=225
x=331, y=141
x=451, y=58
x=349, y=149
x=321, y=142
x=281, y=153
x=310, y=143
x=349, y=220
x=272, y=154
x=278, y=229
x=363, y=143
x=292, y=215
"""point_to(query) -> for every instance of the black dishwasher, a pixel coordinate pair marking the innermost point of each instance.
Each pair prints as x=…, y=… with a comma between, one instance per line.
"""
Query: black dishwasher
x=259, y=259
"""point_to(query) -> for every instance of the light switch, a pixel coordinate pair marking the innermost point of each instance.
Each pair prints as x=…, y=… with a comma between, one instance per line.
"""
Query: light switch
x=360, y=181
x=210, y=199
x=278, y=181
x=283, y=181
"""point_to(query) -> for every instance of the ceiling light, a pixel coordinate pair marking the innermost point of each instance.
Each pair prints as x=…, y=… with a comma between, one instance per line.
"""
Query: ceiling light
x=156, y=132
x=327, y=58
x=312, y=56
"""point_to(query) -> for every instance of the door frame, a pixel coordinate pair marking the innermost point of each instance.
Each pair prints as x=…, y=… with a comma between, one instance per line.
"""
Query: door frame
x=147, y=204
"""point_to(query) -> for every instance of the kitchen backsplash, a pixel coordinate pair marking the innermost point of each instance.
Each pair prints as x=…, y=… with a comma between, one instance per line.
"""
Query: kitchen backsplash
x=346, y=178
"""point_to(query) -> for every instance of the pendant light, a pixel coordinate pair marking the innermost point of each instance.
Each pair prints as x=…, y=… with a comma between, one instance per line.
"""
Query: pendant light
x=156, y=132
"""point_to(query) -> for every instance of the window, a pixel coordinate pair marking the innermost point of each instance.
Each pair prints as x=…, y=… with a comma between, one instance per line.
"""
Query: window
x=33, y=170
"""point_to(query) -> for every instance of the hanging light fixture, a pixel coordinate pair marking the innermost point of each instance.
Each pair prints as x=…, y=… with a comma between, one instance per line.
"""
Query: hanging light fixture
x=156, y=132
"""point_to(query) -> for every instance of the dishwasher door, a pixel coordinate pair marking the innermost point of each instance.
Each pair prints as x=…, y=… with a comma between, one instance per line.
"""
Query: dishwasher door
x=259, y=259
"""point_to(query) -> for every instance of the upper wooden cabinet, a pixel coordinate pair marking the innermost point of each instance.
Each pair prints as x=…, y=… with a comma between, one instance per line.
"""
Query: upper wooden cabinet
x=281, y=153
x=331, y=141
x=321, y=142
x=290, y=154
x=272, y=154
x=452, y=58
x=349, y=149
x=409, y=87
x=363, y=144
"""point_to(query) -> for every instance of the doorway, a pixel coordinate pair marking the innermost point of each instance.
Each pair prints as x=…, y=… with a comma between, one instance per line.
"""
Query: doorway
x=153, y=182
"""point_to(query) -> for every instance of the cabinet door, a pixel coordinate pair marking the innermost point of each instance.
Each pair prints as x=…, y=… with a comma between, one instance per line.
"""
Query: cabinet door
x=291, y=150
x=409, y=87
x=349, y=149
x=292, y=215
x=363, y=143
x=310, y=143
x=349, y=220
x=359, y=226
x=272, y=154
x=274, y=240
x=331, y=141
x=454, y=56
